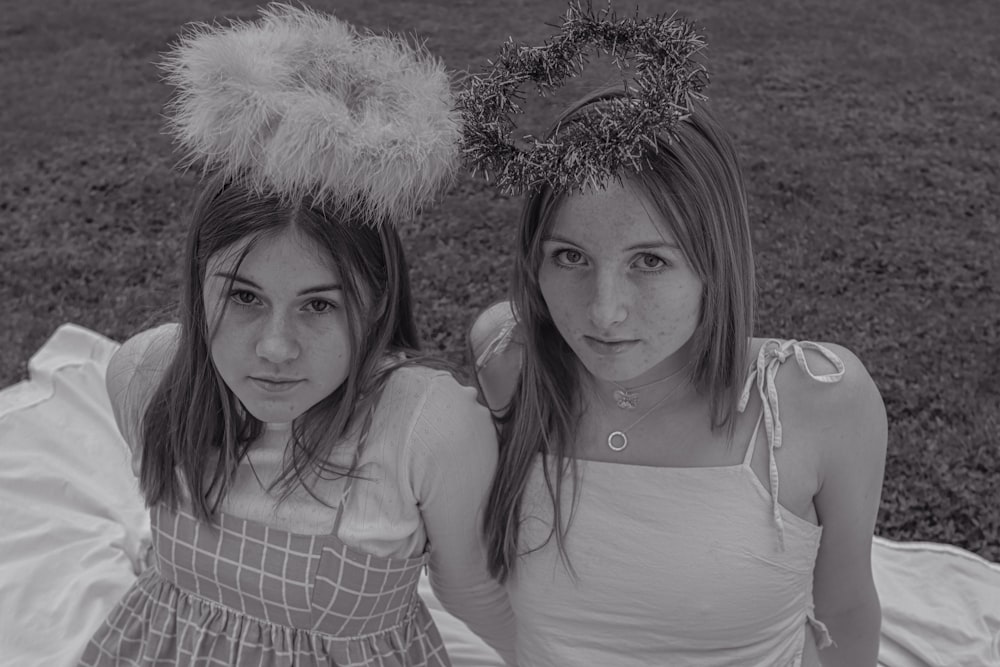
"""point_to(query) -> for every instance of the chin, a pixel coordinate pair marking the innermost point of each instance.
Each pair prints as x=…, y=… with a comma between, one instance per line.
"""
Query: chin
x=271, y=414
x=612, y=371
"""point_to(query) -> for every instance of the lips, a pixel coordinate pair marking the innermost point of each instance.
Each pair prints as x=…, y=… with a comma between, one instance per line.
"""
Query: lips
x=275, y=384
x=608, y=345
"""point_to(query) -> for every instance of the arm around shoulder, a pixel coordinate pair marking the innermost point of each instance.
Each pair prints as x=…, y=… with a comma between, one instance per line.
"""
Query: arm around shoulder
x=853, y=432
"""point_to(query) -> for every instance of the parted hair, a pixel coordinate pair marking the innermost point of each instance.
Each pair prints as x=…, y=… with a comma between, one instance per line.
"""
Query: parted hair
x=194, y=432
x=695, y=184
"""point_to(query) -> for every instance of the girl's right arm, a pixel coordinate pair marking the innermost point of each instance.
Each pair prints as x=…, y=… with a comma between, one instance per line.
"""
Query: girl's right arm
x=133, y=374
x=496, y=349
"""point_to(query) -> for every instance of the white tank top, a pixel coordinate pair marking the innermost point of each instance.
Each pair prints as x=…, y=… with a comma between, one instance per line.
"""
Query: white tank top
x=674, y=566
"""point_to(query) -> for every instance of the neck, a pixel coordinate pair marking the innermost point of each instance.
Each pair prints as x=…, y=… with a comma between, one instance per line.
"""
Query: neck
x=666, y=373
x=673, y=387
x=277, y=426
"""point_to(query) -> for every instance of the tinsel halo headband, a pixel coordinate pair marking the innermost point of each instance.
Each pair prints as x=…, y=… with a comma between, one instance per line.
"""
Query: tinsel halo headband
x=300, y=103
x=612, y=136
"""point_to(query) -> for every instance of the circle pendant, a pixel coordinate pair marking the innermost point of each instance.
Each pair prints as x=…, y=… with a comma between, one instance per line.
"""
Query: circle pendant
x=617, y=441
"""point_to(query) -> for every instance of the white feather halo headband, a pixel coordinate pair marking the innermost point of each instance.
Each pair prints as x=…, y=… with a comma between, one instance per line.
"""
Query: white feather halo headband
x=300, y=103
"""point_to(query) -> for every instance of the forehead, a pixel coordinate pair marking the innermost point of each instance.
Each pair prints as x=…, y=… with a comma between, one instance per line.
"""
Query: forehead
x=288, y=255
x=618, y=215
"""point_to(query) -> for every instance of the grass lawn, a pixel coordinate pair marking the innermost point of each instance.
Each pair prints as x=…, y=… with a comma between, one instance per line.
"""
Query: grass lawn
x=870, y=135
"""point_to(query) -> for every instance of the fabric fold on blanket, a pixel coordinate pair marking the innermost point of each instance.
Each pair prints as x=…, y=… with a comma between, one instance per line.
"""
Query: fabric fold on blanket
x=74, y=533
x=940, y=605
x=72, y=526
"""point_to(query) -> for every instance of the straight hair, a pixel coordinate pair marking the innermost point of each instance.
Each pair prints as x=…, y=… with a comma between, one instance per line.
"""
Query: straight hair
x=694, y=182
x=194, y=431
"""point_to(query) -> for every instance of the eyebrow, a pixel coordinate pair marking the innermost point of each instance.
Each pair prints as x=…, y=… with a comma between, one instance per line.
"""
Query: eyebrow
x=652, y=245
x=236, y=278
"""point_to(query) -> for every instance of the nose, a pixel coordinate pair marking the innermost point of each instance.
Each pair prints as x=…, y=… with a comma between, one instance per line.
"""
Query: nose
x=277, y=342
x=610, y=301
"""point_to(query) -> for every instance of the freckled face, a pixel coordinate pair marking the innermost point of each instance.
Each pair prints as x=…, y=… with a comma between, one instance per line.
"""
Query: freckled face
x=618, y=287
x=283, y=343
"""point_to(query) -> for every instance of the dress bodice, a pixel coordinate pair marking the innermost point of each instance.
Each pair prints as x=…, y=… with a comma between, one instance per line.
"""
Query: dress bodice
x=310, y=583
x=239, y=592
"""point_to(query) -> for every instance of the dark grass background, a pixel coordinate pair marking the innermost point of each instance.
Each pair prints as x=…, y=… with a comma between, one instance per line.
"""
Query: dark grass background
x=868, y=131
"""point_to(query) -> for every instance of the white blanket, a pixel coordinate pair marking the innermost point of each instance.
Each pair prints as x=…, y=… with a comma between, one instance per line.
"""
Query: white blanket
x=73, y=530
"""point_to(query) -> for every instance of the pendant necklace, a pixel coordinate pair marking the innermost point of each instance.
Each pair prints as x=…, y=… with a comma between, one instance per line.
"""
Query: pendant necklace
x=618, y=440
x=628, y=399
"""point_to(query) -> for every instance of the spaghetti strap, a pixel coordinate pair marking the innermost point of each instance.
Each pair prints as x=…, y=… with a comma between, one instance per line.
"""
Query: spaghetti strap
x=762, y=373
x=753, y=441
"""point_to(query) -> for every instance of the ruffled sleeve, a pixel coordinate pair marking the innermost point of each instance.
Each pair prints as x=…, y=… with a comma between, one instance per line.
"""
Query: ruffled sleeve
x=132, y=377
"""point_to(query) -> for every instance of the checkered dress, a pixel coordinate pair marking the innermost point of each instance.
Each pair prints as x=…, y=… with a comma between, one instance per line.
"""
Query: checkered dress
x=242, y=593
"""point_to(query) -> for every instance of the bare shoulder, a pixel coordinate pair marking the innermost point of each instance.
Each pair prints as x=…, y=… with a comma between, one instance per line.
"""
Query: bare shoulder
x=823, y=379
x=487, y=325
x=827, y=391
x=495, y=348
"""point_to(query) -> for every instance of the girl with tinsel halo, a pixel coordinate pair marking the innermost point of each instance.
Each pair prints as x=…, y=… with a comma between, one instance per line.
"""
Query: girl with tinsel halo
x=652, y=505
x=288, y=437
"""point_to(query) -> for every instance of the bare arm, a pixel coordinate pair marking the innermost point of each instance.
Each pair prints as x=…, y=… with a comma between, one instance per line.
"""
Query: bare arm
x=852, y=428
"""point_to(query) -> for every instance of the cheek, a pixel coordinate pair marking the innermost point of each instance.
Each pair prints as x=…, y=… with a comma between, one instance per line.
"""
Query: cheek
x=331, y=346
x=224, y=351
x=674, y=312
x=692, y=302
x=337, y=355
x=228, y=324
x=232, y=341
x=219, y=317
x=559, y=298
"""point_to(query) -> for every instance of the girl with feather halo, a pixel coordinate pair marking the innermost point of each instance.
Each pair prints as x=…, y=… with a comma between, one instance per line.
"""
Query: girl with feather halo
x=287, y=434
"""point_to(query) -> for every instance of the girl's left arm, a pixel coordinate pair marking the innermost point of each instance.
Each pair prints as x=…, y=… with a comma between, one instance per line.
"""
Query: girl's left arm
x=852, y=435
x=454, y=451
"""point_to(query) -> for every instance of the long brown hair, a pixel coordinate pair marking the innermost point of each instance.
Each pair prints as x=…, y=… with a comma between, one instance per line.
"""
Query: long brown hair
x=695, y=183
x=194, y=432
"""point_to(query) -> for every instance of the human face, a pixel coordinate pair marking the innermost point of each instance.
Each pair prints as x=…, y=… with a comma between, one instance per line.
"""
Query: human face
x=617, y=285
x=283, y=341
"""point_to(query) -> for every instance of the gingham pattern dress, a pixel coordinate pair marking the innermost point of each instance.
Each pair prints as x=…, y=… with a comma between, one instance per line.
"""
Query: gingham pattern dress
x=239, y=592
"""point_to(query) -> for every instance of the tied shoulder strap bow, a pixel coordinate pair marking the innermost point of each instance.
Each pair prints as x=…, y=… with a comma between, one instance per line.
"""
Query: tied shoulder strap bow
x=762, y=373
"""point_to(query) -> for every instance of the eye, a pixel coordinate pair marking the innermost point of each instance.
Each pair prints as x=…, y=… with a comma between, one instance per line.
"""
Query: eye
x=320, y=306
x=568, y=257
x=242, y=297
x=648, y=262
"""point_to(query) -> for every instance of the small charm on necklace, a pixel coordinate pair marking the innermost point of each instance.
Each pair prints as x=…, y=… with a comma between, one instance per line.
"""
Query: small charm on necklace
x=626, y=400
x=617, y=441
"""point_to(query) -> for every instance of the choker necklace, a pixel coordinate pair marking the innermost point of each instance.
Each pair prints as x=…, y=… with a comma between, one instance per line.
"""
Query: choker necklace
x=618, y=440
x=628, y=399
